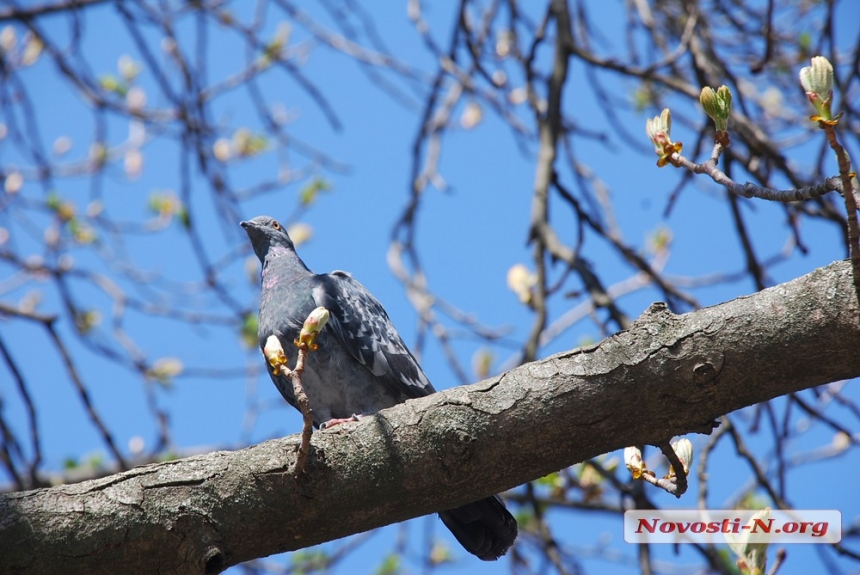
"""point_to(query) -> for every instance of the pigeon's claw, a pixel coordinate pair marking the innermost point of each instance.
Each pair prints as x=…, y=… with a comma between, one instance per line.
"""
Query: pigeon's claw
x=338, y=421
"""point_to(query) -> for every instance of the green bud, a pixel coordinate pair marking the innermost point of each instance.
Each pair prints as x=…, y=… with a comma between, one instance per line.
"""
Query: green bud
x=312, y=189
x=717, y=105
x=316, y=320
x=817, y=81
x=752, y=555
x=273, y=351
x=312, y=327
x=683, y=448
x=248, y=331
x=164, y=370
x=659, y=130
x=633, y=462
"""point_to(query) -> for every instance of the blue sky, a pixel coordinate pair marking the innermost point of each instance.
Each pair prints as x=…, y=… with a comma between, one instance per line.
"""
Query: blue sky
x=470, y=234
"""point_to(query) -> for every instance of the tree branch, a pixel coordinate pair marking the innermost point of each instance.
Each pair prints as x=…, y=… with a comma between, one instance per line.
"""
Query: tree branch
x=667, y=375
x=30, y=12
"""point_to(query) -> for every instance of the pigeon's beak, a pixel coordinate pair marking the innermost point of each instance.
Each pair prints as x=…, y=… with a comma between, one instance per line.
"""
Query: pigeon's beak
x=252, y=229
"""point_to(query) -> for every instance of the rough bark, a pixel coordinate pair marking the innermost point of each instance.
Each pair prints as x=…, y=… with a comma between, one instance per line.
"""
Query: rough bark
x=667, y=375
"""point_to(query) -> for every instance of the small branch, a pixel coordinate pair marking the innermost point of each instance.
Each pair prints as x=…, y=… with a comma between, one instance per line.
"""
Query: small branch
x=45, y=9
x=760, y=474
x=295, y=376
x=273, y=351
x=676, y=482
x=769, y=41
x=74, y=375
x=6, y=309
x=704, y=456
x=750, y=190
x=667, y=484
x=781, y=554
x=27, y=399
x=840, y=183
x=548, y=543
x=848, y=196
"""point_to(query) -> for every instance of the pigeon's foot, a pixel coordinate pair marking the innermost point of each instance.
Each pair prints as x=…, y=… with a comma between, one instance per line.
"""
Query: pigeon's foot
x=338, y=421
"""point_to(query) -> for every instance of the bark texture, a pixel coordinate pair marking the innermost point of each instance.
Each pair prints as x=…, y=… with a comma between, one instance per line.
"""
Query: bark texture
x=667, y=375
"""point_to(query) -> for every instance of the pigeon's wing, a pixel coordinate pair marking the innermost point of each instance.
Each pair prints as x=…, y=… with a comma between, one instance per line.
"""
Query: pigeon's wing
x=361, y=325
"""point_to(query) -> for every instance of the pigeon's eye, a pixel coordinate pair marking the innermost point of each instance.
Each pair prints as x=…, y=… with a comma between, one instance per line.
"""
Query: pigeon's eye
x=275, y=225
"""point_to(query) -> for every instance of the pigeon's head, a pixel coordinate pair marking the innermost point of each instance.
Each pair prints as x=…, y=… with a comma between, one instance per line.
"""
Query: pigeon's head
x=268, y=237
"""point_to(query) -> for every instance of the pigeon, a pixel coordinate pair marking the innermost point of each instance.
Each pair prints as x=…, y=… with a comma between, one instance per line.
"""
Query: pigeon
x=360, y=367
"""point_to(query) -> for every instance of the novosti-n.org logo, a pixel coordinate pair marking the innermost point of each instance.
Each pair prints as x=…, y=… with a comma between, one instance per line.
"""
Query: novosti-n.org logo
x=732, y=525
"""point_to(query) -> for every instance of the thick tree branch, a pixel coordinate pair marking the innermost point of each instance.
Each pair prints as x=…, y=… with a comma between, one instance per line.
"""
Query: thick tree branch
x=665, y=376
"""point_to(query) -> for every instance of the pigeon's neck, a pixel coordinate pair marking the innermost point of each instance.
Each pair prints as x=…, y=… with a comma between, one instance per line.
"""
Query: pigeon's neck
x=285, y=262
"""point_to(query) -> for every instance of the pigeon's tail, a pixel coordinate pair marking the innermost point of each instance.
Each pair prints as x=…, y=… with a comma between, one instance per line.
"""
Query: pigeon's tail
x=484, y=528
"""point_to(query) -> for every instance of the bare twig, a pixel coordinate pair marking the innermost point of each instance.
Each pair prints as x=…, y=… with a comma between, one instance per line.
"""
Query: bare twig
x=848, y=196
x=85, y=396
x=16, y=13
x=295, y=376
x=781, y=554
x=277, y=359
x=750, y=190
x=32, y=418
x=676, y=485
